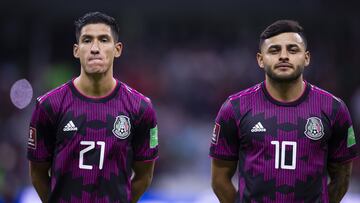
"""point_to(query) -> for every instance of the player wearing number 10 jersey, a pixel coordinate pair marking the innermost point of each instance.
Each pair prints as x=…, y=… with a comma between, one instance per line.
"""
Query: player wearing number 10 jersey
x=285, y=134
x=94, y=131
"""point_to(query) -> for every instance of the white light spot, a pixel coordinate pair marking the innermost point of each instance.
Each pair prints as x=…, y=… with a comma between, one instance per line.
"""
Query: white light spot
x=21, y=93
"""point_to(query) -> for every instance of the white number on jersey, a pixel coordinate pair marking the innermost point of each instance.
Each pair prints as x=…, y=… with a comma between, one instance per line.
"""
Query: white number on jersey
x=91, y=145
x=283, y=148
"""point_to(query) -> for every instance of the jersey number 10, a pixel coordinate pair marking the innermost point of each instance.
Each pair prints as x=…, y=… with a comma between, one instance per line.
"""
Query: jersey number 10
x=91, y=145
x=283, y=165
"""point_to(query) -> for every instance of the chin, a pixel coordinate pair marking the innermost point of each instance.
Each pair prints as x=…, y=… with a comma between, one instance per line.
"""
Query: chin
x=94, y=70
x=287, y=78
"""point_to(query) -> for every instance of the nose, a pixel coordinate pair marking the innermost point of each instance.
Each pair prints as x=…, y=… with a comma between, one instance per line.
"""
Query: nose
x=284, y=55
x=95, y=48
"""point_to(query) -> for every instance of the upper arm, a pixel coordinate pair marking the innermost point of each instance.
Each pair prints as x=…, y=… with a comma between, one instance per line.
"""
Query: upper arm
x=145, y=138
x=221, y=169
x=338, y=170
x=39, y=169
x=41, y=138
x=143, y=168
x=342, y=145
x=225, y=139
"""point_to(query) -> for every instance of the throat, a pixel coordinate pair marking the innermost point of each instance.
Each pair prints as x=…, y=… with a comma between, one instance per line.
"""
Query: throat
x=95, y=88
x=285, y=92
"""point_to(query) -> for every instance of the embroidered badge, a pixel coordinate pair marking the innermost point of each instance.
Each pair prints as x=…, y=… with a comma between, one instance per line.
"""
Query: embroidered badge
x=32, y=138
x=314, y=128
x=154, y=141
x=122, y=127
x=216, y=132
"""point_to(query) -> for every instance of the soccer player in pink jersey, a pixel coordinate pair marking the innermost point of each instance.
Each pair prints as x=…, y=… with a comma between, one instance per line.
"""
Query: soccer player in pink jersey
x=96, y=135
x=285, y=135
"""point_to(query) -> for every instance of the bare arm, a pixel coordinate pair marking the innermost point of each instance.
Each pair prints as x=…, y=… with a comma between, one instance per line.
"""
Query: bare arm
x=39, y=173
x=339, y=180
x=142, y=178
x=221, y=174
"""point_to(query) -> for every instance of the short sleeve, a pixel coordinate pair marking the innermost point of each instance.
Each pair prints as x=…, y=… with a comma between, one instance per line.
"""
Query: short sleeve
x=224, y=140
x=41, y=136
x=145, y=140
x=343, y=144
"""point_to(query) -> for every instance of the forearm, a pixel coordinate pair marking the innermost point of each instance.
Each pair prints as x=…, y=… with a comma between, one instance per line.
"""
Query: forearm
x=42, y=186
x=337, y=190
x=224, y=190
x=39, y=174
x=339, y=181
x=138, y=187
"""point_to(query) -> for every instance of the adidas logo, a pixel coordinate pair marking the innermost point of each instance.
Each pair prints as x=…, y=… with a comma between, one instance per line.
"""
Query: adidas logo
x=70, y=127
x=258, y=128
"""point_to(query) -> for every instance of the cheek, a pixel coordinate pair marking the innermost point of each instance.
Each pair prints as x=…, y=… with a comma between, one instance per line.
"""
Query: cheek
x=300, y=59
x=268, y=60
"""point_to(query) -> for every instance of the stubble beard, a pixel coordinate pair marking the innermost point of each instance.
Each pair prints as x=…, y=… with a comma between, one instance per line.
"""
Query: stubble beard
x=284, y=79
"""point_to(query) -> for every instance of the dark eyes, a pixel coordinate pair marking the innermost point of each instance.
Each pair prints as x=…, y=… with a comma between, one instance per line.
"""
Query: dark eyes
x=293, y=50
x=274, y=51
x=290, y=50
x=86, y=40
x=104, y=39
x=89, y=40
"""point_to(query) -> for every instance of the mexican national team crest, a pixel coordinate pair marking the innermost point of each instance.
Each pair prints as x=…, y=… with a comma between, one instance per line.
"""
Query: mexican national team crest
x=314, y=129
x=122, y=127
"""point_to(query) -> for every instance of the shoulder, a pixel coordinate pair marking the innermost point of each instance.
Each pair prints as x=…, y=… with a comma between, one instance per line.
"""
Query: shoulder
x=241, y=100
x=247, y=93
x=134, y=95
x=55, y=93
x=245, y=97
x=323, y=95
x=332, y=105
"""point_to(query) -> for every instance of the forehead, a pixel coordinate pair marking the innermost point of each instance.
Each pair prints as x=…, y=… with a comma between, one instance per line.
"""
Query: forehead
x=284, y=39
x=96, y=29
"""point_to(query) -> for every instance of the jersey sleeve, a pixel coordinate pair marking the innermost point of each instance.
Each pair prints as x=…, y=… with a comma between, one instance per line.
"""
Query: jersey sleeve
x=343, y=146
x=145, y=140
x=41, y=136
x=224, y=141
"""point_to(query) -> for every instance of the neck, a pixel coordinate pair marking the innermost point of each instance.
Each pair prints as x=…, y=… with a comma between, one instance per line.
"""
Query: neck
x=94, y=85
x=285, y=91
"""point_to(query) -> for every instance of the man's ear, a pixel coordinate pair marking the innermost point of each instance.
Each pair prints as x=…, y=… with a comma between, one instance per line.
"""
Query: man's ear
x=118, y=49
x=260, y=60
x=76, y=51
x=307, y=58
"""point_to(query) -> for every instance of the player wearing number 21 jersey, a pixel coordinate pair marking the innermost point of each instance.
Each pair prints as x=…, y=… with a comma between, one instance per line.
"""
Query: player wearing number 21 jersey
x=96, y=135
x=284, y=150
x=92, y=142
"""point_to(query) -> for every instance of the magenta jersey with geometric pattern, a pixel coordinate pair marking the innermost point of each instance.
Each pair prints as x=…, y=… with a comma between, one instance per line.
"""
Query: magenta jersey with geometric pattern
x=92, y=142
x=283, y=149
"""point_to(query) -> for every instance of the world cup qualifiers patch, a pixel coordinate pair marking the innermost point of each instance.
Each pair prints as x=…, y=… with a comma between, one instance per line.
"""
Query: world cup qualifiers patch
x=216, y=132
x=32, y=138
x=351, y=137
x=154, y=141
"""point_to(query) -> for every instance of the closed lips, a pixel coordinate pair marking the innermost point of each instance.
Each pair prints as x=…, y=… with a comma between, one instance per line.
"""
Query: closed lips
x=95, y=58
x=283, y=65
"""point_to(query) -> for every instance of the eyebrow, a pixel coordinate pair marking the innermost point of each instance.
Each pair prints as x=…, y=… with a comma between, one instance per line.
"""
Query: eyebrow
x=292, y=46
x=92, y=36
x=276, y=46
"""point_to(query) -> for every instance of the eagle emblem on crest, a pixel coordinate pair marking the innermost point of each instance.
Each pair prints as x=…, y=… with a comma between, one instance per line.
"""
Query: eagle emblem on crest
x=122, y=127
x=314, y=128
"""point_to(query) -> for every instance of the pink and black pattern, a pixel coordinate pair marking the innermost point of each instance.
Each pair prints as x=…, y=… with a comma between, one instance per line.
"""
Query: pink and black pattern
x=282, y=148
x=76, y=133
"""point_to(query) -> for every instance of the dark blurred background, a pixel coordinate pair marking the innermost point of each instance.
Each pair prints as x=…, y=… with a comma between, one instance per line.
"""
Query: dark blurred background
x=187, y=56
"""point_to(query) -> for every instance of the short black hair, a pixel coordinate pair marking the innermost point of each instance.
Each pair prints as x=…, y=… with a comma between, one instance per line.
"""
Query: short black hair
x=94, y=18
x=282, y=26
